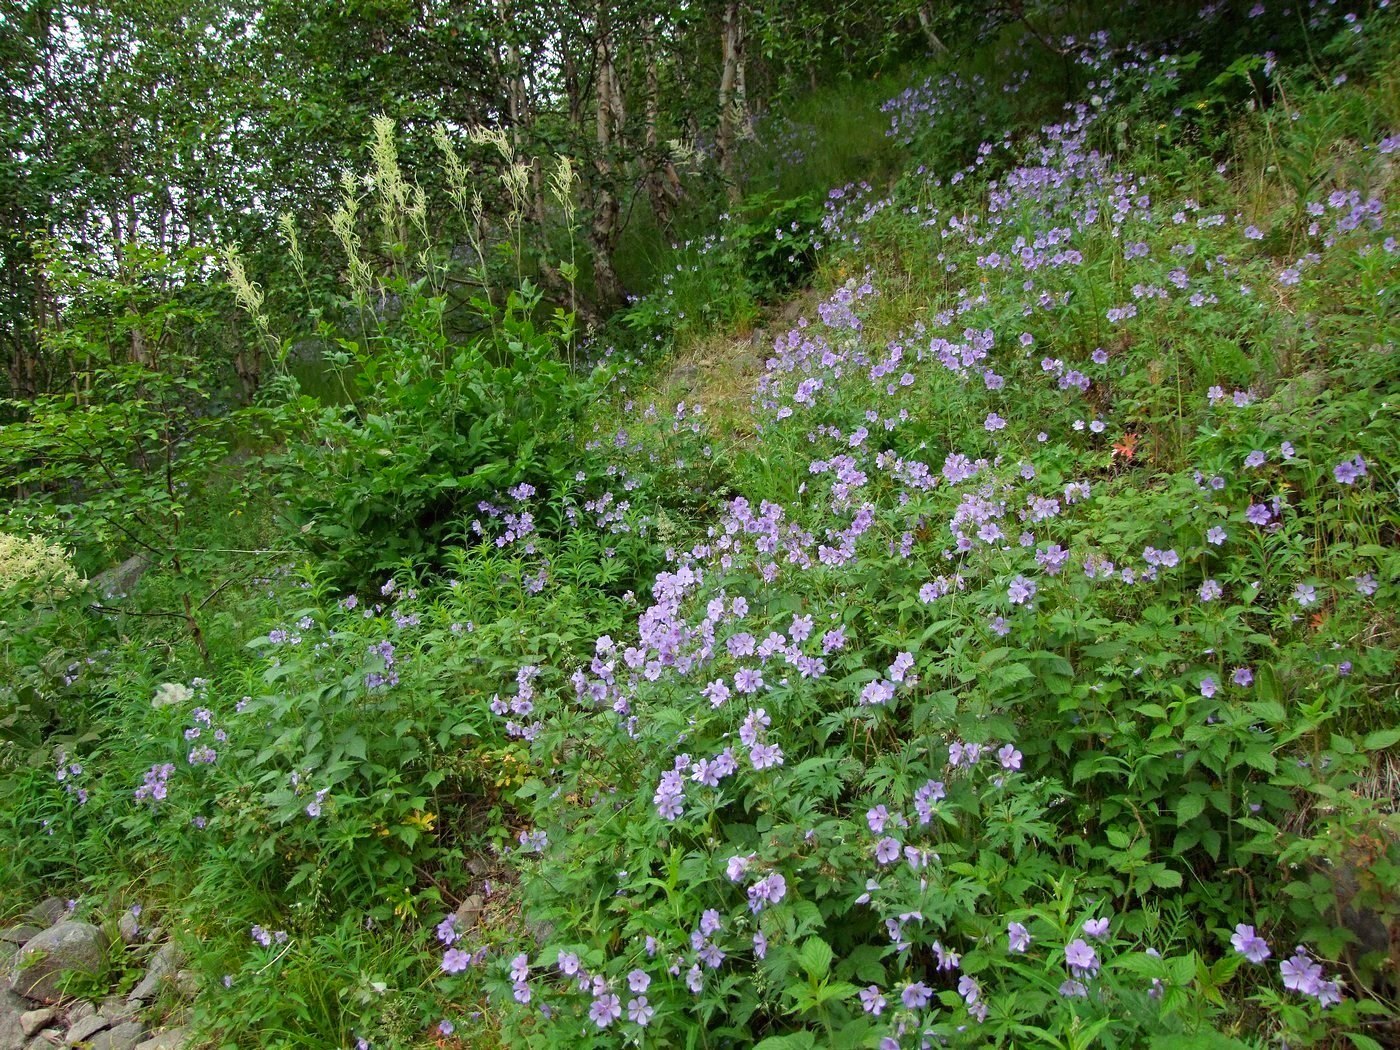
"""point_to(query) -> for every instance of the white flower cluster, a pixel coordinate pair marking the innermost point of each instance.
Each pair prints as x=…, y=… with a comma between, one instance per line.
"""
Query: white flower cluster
x=34, y=567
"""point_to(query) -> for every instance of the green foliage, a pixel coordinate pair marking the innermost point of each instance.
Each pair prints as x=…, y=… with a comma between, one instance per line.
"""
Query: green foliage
x=431, y=428
x=996, y=668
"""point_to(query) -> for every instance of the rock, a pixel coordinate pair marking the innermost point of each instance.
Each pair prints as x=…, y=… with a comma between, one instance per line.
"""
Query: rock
x=85, y=1029
x=12, y=1008
x=1299, y=391
x=48, y=912
x=120, y=580
x=80, y=1010
x=47, y=960
x=166, y=961
x=20, y=934
x=129, y=929
x=33, y=1020
x=174, y=1039
x=116, y=1010
x=49, y=1037
x=186, y=984
x=124, y=1036
x=469, y=911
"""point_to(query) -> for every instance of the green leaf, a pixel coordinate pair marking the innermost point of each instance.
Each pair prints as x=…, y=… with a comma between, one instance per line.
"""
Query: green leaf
x=1189, y=808
x=1166, y=878
x=796, y=1041
x=1381, y=739
x=815, y=955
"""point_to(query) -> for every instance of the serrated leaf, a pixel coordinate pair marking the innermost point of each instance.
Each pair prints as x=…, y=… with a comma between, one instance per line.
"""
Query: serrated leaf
x=1381, y=739
x=815, y=957
x=1166, y=878
x=1189, y=808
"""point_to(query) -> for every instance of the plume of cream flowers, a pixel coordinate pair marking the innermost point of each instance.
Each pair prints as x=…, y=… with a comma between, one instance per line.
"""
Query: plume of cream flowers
x=33, y=564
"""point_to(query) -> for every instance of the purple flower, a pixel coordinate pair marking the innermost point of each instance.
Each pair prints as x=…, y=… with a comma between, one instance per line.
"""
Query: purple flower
x=1211, y=590
x=1348, y=470
x=605, y=1010
x=447, y=930
x=738, y=865
x=1074, y=990
x=877, y=818
x=1208, y=687
x=455, y=960
x=1243, y=677
x=1301, y=974
x=763, y=756
x=1257, y=514
x=747, y=680
x=1305, y=594
x=969, y=989
x=1018, y=938
x=877, y=693
x=520, y=967
x=1096, y=928
x=1215, y=535
x=766, y=891
x=1021, y=590
x=1009, y=757
x=1254, y=459
x=887, y=850
x=639, y=1011
x=1250, y=945
x=917, y=995
x=871, y=1000
x=1081, y=958
x=1365, y=584
x=947, y=958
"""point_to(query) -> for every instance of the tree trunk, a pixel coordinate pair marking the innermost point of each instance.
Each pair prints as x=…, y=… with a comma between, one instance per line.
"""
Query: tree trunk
x=938, y=47
x=607, y=212
x=731, y=45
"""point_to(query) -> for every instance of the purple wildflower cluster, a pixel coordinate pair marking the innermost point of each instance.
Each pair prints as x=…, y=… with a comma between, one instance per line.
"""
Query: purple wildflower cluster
x=202, y=722
x=154, y=788
x=67, y=772
x=1016, y=534
x=522, y=705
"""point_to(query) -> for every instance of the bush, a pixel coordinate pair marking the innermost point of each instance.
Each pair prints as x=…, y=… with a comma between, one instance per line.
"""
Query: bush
x=432, y=427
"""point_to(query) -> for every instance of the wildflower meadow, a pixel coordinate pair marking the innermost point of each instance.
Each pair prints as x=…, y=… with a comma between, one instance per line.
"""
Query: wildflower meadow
x=949, y=600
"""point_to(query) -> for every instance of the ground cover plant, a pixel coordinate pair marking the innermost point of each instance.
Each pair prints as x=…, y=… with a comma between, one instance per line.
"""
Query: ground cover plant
x=1013, y=664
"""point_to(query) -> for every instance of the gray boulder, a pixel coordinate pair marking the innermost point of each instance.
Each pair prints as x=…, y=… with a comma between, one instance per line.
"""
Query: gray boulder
x=129, y=928
x=124, y=1036
x=88, y=1027
x=121, y=580
x=175, y=1039
x=48, y=912
x=164, y=963
x=12, y=1009
x=47, y=960
x=34, y=1020
x=79, y=1011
